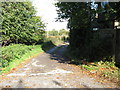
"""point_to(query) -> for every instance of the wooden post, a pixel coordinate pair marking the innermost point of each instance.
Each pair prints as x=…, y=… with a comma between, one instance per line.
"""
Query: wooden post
x=117, y=48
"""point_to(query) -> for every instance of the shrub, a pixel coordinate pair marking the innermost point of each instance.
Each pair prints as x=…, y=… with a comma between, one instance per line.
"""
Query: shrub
x=12, y=52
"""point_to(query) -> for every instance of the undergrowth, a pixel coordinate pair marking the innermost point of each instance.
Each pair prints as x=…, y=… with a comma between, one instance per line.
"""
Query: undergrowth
x=106, y=69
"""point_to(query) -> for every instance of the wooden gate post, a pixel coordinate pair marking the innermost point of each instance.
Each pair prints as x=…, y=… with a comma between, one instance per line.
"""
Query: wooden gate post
x=117, y=48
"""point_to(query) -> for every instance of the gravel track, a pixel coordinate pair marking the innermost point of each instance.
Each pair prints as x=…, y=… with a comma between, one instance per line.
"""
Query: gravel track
x=51, y=70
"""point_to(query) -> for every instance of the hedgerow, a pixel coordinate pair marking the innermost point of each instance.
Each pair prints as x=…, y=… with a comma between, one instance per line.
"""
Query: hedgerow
x=14, y=52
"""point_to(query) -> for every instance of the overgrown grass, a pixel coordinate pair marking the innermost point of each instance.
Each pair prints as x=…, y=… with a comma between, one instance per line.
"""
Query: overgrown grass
x=15, y=54
x=105, y=69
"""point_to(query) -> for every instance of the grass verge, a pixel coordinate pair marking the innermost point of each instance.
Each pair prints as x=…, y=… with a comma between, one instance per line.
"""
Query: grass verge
x=15, y=54
x=12, y=60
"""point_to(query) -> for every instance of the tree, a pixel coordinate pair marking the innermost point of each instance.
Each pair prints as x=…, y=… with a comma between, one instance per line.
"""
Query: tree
x=63, y=32
x=19, y=23
x=81, y=20
x=73, y=13
x=108, y=12
x=82, y=14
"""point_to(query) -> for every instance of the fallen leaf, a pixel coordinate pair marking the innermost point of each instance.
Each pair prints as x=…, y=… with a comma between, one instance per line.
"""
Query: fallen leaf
x=14, y=69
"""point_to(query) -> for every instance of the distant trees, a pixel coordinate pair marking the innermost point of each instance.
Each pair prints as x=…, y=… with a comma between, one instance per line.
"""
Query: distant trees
x=53, y=33
x=61, y=32
x=58, y=36
x=20, y=24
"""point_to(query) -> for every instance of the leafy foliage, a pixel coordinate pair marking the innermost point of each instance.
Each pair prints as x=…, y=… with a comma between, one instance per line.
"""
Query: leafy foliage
x=61, y=32
x=53, y=33
x=107, y=14
x=73, y=13
x=13, y=52
x=19, y=23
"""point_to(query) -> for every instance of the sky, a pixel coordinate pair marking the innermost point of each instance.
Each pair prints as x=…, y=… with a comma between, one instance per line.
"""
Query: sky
x=47, y=11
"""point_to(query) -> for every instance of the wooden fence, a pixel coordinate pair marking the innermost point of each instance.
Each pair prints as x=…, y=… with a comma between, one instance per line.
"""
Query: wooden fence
x=114, y=36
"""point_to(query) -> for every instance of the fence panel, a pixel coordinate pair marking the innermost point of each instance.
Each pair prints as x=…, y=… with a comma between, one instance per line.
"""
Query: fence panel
x=102, y=46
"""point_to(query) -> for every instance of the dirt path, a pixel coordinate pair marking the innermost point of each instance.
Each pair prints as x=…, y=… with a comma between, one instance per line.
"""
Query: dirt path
x=50, y=70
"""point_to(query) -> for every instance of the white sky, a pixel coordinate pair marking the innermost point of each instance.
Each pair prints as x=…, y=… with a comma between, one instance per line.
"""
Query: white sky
x=48, y=13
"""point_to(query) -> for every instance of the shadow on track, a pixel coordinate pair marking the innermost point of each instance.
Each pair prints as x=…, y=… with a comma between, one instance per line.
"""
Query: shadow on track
x=57, y=52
